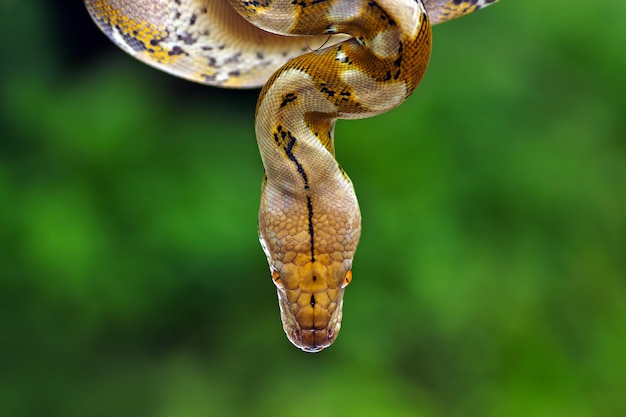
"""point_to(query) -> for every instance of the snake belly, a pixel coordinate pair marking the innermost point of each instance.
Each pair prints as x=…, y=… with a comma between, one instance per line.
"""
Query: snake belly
x=318, y=61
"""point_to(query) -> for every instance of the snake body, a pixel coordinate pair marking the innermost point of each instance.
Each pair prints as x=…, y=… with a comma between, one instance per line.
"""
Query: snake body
x=318, y=61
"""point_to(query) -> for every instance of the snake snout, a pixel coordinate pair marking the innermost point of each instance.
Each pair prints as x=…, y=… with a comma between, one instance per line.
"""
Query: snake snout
x=310, y=330
x=311, y=299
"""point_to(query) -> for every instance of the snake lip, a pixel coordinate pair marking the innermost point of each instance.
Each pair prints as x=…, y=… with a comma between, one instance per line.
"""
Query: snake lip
x=312, y=349
x=311, y=340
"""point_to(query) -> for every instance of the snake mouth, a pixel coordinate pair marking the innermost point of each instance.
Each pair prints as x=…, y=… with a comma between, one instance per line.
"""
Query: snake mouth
x=311, y=340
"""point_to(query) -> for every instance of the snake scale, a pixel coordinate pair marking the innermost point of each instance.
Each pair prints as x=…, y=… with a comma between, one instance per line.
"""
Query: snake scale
x=318, y=61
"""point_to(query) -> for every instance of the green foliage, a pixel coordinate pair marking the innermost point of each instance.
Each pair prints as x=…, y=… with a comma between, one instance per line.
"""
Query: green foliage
x=490, y=279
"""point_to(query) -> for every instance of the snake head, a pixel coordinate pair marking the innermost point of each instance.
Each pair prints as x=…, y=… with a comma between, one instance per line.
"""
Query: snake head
x=310, y=296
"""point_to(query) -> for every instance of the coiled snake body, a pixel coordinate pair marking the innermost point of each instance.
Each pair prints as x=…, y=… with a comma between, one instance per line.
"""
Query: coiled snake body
x=341, y=59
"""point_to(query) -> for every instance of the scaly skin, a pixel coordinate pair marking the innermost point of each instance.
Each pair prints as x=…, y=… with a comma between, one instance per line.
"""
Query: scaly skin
x=309, y=220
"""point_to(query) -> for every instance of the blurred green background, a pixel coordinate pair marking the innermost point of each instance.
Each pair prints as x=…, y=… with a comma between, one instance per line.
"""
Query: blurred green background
x=491, y=275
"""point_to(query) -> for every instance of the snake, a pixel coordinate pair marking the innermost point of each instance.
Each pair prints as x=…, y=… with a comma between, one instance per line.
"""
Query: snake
x=317, y=61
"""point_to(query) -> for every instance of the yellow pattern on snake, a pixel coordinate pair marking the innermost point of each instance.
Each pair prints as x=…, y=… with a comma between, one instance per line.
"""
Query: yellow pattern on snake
x=342, y=59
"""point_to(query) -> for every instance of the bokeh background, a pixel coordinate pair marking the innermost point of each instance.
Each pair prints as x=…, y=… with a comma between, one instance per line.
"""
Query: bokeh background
x=491, y=275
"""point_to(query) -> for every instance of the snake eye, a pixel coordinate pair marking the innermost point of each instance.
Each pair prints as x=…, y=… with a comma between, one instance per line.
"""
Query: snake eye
x=347, y=279
x=276, y=278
